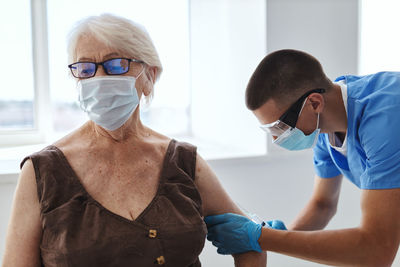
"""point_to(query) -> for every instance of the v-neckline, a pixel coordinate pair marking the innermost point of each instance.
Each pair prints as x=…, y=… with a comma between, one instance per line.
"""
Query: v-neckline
x=93, y=200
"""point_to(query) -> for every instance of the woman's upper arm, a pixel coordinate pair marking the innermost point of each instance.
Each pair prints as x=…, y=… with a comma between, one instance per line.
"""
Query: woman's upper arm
x=24, y=229
x=216, y=201
x=214, y=197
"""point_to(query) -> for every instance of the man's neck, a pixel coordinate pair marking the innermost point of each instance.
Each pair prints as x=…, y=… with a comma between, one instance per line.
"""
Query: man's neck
x=335, y=116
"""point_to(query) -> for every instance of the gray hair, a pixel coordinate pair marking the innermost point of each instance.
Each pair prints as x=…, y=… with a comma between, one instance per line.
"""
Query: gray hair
x=119, y=33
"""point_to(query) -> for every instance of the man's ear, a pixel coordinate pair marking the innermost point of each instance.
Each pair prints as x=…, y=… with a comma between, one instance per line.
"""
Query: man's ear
x=317, y=102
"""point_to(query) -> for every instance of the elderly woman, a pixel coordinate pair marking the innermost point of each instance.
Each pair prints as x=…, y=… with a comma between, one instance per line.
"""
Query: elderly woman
x=114, y=192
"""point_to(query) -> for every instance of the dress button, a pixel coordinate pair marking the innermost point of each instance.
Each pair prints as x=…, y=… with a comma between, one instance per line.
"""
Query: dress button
x=160, y=260
x=152, y=233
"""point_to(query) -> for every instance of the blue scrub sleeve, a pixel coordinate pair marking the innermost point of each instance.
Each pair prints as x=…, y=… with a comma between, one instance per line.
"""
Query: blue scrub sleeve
x=323, y=163
x=379, y=134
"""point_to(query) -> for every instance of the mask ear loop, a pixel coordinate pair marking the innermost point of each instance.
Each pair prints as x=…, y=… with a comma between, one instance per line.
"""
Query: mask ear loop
x=140, y=73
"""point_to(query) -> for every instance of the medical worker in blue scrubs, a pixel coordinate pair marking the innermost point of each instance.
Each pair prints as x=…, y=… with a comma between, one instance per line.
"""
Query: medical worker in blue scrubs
x=353, y=124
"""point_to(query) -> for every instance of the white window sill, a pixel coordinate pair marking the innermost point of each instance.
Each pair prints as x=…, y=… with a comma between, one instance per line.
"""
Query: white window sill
x=11, y=157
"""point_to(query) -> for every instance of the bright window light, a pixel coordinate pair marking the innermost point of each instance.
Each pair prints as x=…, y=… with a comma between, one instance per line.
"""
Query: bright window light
x=380, y=41
x=17, y=93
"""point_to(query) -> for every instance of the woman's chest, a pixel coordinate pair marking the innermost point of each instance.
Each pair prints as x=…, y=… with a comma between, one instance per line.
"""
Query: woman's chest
x=123, y=186
x=166, y=208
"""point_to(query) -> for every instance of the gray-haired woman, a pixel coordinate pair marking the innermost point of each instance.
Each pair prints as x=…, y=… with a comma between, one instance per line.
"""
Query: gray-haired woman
x=114, y=192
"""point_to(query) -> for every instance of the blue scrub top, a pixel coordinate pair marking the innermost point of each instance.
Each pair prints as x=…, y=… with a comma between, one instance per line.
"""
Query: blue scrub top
x=373, y=134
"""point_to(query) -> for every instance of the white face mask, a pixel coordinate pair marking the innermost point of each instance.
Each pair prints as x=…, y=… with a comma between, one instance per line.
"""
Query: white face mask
x=108, y=101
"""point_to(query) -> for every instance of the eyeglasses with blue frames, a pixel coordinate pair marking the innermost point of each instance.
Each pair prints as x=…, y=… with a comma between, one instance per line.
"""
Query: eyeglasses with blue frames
x=288, y=120
x=114, y=66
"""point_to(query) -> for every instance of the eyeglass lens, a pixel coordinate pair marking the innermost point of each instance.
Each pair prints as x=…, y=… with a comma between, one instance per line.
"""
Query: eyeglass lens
x=113, y=66
x=116, y=66
x=83, y=69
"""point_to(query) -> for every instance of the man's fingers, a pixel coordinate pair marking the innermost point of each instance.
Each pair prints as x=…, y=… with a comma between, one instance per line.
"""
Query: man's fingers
x=276, y=224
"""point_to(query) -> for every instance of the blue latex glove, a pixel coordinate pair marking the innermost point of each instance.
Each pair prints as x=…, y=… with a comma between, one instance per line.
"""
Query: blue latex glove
x=233, y=233
x=276, y=224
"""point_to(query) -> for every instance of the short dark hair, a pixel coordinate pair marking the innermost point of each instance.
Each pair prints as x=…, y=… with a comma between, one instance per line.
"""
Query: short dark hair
x=283, y=76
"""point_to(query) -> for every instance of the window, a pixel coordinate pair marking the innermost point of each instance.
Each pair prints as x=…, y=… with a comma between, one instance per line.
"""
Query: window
x=208, y=55
x=380, y=42
x=17, y=93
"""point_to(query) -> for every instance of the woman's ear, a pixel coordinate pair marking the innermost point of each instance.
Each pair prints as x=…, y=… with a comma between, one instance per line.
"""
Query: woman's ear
x=148, y=88
x=153, y=74
x=150, y=80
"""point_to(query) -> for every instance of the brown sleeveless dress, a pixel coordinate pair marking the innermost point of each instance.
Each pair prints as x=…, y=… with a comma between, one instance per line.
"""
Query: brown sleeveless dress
x=79, y=232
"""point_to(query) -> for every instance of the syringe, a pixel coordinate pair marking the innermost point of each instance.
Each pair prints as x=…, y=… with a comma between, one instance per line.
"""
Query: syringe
x=254, y=217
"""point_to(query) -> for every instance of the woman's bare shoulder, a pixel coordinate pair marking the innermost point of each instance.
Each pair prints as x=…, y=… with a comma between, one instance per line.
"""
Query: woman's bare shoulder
x=73, y=140
x=157, y=139
x=24, y=230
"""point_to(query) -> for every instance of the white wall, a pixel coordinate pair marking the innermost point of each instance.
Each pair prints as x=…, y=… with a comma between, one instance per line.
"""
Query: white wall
x=328, y=29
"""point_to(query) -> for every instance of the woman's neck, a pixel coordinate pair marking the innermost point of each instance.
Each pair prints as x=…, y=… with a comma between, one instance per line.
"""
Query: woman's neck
x=132, y=130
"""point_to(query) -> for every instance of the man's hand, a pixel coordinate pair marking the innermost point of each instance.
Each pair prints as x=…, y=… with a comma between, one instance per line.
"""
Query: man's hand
x=233, y=233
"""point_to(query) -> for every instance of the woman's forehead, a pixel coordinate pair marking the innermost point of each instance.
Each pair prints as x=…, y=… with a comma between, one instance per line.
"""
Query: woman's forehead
x=89, y=48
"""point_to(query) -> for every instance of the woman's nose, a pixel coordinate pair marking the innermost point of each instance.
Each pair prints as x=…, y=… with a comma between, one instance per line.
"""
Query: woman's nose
x=100, y=71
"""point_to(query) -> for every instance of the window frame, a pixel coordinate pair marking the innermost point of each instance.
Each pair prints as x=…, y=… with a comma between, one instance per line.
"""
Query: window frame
x=41, y=99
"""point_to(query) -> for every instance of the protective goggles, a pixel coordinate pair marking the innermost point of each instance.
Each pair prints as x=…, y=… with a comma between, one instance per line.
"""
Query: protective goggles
x=114, y=66
x=289, y=119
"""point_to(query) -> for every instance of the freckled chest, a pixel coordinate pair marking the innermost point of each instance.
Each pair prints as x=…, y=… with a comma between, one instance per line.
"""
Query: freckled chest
x=123, y=182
